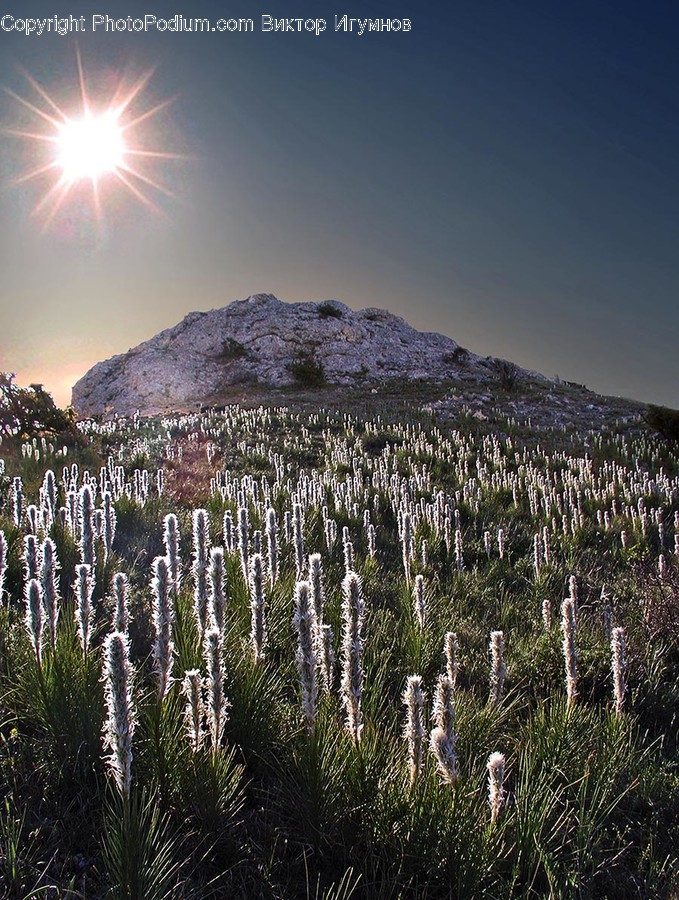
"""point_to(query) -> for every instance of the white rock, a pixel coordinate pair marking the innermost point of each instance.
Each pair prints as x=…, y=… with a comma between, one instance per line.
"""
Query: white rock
x=254, y=342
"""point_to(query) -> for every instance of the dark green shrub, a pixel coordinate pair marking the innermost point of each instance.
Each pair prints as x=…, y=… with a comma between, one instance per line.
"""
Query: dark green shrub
x=306, y=370
x=458, y=357
x=507, y=374
x=665, y=421
x=329, y=311
x=232, y=349
x=31, y=410
x=375, y=443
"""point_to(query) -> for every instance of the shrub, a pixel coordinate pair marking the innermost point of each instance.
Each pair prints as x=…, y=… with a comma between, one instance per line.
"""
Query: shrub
x=375, y=443
x=306, y=370
x=507, y=373
x=31, y=410
x=232, y=349
x=328, y=310
x=458, y=357
x=665, y=421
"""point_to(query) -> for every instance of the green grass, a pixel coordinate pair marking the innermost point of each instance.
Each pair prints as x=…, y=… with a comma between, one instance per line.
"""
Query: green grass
x=279, y=811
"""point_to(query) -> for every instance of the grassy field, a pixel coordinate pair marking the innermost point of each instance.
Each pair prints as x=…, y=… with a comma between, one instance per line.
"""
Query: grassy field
x=294, y=654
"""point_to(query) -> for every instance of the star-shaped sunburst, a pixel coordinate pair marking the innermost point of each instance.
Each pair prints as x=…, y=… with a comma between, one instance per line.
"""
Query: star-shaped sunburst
x=96, y=144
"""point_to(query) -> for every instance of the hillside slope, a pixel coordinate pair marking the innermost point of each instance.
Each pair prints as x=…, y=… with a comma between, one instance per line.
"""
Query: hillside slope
x=263, y=349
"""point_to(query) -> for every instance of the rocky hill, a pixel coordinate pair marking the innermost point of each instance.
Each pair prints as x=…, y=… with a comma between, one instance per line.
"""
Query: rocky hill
x=262, y=347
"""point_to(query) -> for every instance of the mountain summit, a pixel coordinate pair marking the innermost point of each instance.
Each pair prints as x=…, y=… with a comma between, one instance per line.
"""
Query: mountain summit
x=264, y=341
x=263, y=349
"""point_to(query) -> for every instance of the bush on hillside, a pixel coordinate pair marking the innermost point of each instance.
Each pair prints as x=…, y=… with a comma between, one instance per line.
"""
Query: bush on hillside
x=31, y=410
x=665, y=421
x=306, y=370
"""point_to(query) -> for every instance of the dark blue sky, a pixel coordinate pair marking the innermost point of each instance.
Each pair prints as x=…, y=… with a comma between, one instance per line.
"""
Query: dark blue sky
x=506, y=173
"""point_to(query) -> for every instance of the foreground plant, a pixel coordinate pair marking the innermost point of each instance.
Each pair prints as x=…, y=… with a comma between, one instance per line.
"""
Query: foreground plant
x=443, y=750
x=3, y=564
x=257, y=606
x=121, y=615
x=34, y=618
x=217, y=703
x=138, y=848
x=568, y=628
x=353, y=613
x=413, y=698
x=49, y=568
x=163, y=621
x=496, y=791
x=121, y=717
x=305, y=626
x=619, y=667
x=192, y=688
x=201, y=537
x=451, y=650
x=84, y=611
x=171, y=542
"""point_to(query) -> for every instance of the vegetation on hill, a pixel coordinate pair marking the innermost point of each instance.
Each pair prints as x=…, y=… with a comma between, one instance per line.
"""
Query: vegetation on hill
x=31, y=410
x=269, y=653
x=307, y=370
x=664, y=421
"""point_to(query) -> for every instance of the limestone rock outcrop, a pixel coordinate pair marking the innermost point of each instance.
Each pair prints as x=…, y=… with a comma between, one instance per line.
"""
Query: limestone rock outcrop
x=264, y=341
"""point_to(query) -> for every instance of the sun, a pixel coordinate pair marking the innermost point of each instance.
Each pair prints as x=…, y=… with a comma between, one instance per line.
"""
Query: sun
x=91, y=147
x=101, y=142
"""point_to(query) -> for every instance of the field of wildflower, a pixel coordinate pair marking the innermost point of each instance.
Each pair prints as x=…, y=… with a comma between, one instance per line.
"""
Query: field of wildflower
x=285, y=654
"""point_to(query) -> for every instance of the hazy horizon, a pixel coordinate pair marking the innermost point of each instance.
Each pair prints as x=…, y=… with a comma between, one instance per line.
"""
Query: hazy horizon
x=502, y=175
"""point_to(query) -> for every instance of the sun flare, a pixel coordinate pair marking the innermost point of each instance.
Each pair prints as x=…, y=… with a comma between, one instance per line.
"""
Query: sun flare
x=91, y=147
x=103, y=143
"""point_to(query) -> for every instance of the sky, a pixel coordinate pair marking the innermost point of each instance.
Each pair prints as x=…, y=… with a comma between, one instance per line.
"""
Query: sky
x=506, y=173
